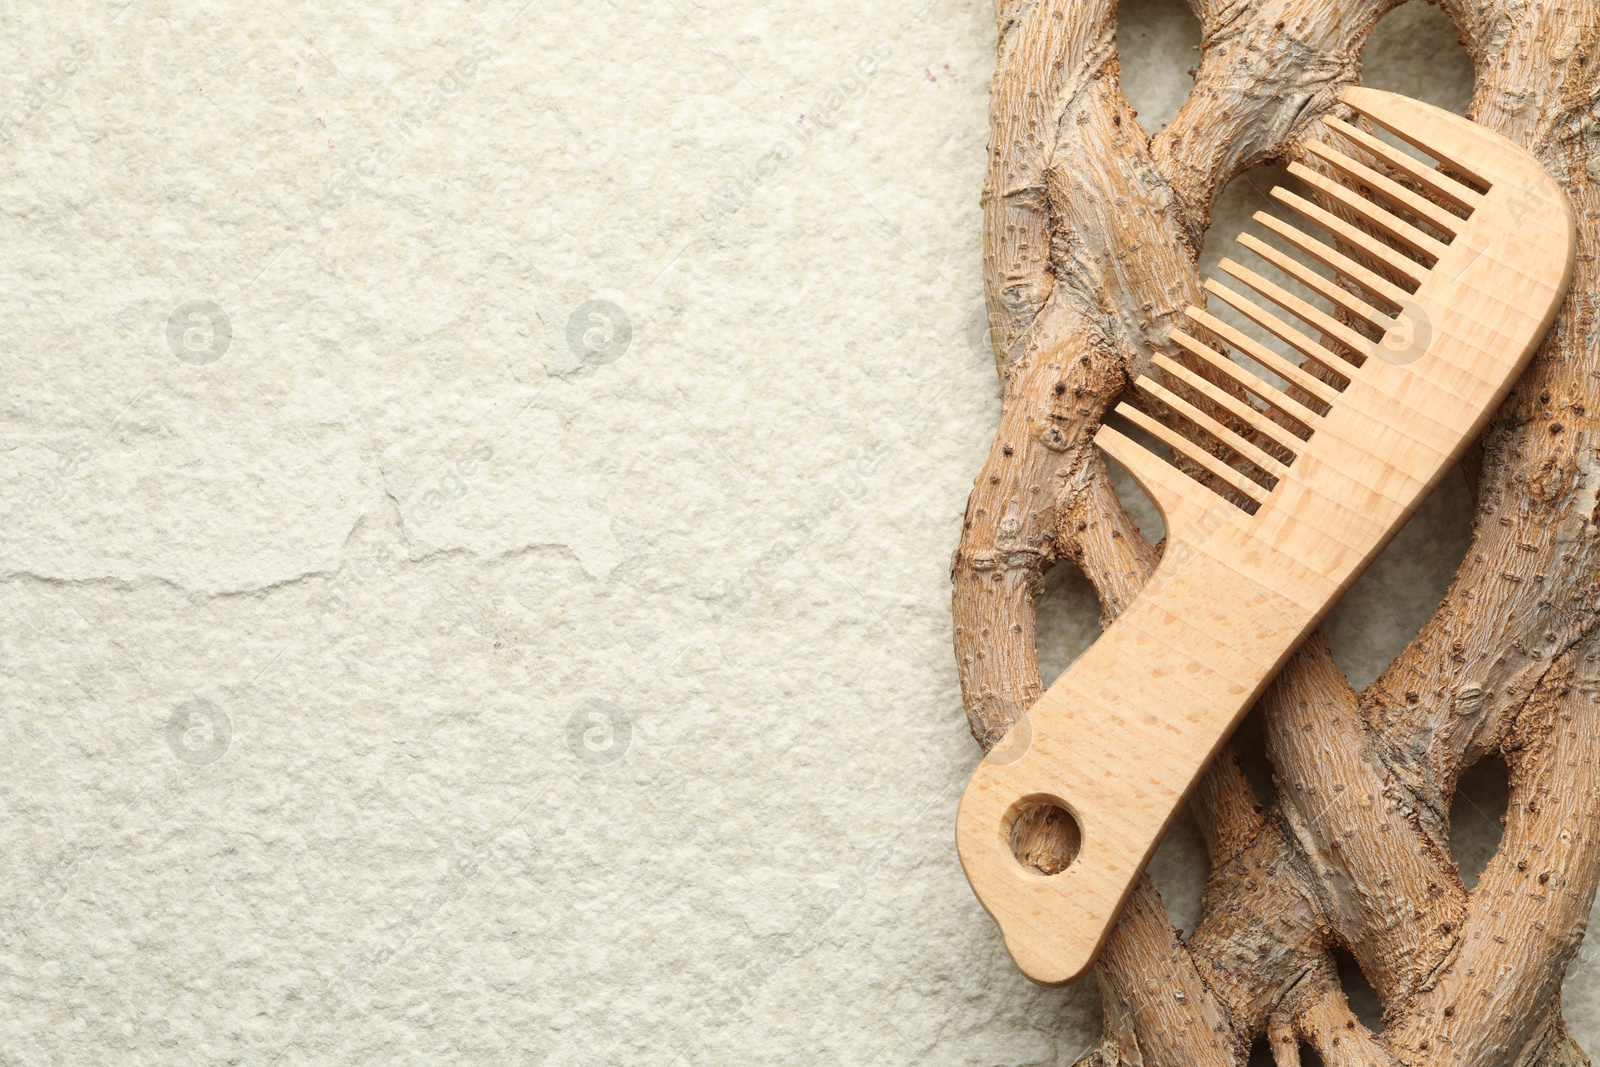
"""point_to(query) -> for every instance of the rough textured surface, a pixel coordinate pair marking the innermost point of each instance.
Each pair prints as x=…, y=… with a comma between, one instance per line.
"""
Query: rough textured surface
x=585, y=701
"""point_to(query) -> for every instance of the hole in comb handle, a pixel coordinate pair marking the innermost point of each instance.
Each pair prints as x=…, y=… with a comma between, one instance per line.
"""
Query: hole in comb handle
x=1044, y=835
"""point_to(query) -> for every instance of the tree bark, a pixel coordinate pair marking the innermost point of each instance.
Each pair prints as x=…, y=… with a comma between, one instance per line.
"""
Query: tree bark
x=1091, y=231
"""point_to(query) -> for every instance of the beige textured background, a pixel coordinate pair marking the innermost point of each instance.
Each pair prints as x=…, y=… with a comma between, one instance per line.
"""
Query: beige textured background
x=408, y=660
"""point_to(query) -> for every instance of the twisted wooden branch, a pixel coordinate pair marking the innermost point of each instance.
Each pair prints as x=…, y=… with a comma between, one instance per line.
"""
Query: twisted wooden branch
x=1090, y=236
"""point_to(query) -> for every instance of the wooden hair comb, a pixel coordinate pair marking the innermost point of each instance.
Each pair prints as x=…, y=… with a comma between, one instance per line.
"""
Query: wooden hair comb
x=1451, y=278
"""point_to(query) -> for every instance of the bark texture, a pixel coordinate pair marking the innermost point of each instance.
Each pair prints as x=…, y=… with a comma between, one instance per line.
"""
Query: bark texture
x=1091, y=229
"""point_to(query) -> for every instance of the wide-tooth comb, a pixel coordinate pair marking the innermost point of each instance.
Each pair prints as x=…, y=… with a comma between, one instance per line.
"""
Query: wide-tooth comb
x=1443, y=281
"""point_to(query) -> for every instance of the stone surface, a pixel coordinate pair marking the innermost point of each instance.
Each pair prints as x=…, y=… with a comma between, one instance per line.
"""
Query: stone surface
x=478, y=490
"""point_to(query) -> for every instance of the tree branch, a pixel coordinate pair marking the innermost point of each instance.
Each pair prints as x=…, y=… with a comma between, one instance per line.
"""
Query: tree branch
x=1090, y=232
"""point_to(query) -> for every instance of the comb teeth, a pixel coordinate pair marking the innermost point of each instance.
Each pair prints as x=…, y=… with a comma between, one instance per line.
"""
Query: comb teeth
x=1335, y=294
x=1254, y=438
x=1372, y=248
x=1187, y=449
x=1374, y=283
x=1253, y=417
x=1240, y=449
x=1249, y=346
x=1380, y=219
x=1253, y=453
x=1307, y=313
x=1295, y=409
x=1388, y=188
x=1440, y=185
